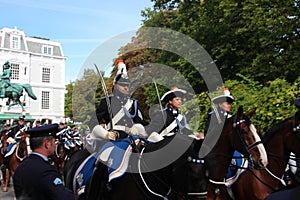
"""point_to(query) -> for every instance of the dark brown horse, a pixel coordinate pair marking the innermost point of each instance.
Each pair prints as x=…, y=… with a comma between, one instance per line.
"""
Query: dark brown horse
x=177, y=180
x=279, y=141
x=59, y=157
x=238, y=134
x=21, y=152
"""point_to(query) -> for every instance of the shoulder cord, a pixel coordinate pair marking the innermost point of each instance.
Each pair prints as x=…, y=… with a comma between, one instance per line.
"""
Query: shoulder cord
x=184, y=122
x=171, y=126
x=121, y=113
x=131, y=116
x=141, y=175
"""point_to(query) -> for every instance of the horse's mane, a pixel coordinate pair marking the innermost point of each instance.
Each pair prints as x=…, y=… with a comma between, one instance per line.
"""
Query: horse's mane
x=275, y=128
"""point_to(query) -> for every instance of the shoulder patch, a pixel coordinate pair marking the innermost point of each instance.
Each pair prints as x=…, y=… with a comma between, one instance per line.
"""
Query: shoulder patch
x=57, y=181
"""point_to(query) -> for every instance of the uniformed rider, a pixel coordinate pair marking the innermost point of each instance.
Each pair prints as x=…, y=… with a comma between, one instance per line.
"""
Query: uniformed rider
x=12, y=139
x=221, y=111
x=169, y=121
x=123, y=116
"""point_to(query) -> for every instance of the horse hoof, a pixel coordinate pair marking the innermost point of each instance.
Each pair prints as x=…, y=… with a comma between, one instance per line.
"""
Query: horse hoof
x=4, y=189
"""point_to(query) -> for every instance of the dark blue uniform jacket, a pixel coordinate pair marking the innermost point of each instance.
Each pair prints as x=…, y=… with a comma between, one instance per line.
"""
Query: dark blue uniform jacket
x=37, y=179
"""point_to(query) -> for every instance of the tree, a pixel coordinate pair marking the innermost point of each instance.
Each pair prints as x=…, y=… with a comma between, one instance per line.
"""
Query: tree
x=85, y=97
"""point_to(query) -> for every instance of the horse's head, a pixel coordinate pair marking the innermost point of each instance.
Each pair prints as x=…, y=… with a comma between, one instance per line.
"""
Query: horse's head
x=247, y=140
x=24, y=143
x=293, y=135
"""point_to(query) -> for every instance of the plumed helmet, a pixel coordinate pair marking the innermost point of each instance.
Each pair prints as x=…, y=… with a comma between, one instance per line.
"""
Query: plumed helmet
x=225, y=97
x=121, y=76
x=174, y=92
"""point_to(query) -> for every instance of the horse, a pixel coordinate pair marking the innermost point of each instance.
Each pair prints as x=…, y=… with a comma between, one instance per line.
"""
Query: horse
x=187, y=175
x=172, y=181
x=280, y=140
x=21, y=152
x=15, y=91
x=239, y=134
x=60, y=155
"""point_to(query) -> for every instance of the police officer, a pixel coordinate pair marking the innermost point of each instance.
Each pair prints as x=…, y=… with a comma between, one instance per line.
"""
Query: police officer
x=124, y=110
x=35, y=177
x=223, y=107
x=169, y=121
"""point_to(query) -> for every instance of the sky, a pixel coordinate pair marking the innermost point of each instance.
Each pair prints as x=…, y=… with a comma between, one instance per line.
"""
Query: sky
x=80, y=26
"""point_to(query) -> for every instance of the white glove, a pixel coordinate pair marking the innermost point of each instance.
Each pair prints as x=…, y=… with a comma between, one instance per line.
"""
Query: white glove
x=100, y=132
x=112, y=135
x=155, y=137
x=11, y=140
x=138, y=129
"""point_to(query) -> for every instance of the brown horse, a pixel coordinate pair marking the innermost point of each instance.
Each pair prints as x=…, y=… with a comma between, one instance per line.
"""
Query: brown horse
x=60, y=155
x=21, y=152
x=280, y=140
x=238, y=134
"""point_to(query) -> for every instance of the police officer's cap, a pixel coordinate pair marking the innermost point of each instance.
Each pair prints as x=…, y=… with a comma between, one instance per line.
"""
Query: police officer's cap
x=174, y=92
x=43, y=131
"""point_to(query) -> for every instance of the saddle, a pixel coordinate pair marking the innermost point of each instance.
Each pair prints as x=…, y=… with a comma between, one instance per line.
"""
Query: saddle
x=114, y=154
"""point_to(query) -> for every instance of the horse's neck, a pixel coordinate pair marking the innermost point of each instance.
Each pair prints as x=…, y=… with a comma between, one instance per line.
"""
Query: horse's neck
x=277, y=156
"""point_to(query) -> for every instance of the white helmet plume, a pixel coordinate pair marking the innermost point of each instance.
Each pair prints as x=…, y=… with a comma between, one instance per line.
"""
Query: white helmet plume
x=122, y=69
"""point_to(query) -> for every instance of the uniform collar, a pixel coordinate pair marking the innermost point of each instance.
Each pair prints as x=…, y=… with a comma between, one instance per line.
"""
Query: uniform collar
x=40, y=155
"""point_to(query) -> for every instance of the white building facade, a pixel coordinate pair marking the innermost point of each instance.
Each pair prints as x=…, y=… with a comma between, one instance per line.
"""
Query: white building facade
x=40, y=63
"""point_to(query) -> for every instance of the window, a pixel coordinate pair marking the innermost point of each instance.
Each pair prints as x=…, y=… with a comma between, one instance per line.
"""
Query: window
x=47, y=49
x=45, y=100
x=15, y=42
x=46, y=75
x=15, y=71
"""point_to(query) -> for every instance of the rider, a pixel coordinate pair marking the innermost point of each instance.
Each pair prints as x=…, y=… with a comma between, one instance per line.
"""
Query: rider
x=223, y=103
x=12, y=133
x=5, y=129
x=169, y=121
x=123, y=110
x=5, y=78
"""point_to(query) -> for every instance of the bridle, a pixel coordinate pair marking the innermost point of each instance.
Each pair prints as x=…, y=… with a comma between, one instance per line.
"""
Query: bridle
x=237, y=130
x=246, y=147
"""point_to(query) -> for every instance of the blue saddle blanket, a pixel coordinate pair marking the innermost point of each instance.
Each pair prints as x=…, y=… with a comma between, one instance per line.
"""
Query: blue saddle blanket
x=114, y=154
x=84, y=173
x=237, y=167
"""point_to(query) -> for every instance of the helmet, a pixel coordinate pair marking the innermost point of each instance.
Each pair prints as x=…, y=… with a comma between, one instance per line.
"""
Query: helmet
x=121, y=77
x=225, y=97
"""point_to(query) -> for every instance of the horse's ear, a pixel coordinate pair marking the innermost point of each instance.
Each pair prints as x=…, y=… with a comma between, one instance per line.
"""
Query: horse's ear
x=240, y=112
x=297, y=115
x=251, y=113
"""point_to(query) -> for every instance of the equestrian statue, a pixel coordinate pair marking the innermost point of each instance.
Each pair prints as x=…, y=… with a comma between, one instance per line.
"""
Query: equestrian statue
x=13, y=91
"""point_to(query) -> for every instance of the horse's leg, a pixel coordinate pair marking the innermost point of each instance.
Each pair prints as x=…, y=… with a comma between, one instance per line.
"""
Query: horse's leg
x=6, y=178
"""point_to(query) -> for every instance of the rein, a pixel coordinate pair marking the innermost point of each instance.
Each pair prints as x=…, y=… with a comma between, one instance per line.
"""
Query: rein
x=141, y=175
